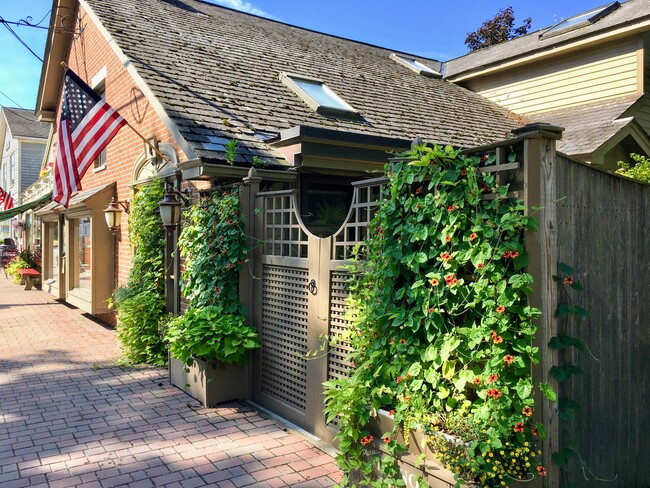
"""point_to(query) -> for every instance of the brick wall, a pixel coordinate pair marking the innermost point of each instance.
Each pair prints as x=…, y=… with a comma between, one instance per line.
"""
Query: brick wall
x=89, y=54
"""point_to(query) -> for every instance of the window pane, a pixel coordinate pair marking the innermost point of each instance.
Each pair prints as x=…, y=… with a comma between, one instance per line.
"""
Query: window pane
x=54, y=268
x=84, y=254
x=323, y=95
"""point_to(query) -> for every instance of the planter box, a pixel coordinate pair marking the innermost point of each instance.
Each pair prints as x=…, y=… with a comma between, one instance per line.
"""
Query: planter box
x=436, y=475
x=210, y=383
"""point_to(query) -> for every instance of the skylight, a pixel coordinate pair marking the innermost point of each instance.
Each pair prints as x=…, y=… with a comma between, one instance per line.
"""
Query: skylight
x=415, y=65
x=318, y=95
x=581, y=20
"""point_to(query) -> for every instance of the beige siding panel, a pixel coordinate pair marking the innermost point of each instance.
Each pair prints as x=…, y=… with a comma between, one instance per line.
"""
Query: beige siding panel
x=583, y=78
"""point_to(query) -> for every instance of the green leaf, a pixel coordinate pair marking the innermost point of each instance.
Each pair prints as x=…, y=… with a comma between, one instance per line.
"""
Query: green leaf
x=563, y=456
x=541, y=430
x=568, y=408
x=524, y=389
x=448, y=369
x=566, y=269
x=562, y=341
x=548, y=392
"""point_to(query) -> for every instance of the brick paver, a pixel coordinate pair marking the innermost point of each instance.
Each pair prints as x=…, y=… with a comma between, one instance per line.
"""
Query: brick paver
x=70, y=417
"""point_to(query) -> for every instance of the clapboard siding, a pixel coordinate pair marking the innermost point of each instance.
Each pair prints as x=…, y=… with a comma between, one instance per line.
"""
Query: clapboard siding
x=602, y=233
x=563, y=82
x=32, y=158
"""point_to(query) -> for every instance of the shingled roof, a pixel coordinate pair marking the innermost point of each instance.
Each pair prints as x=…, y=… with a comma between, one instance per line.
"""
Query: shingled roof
x=23, y=123
x=630, y=12
x=589, y=126
x=216, y=73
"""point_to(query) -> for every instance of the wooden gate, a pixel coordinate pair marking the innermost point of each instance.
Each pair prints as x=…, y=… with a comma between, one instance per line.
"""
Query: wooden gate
x=302, y=289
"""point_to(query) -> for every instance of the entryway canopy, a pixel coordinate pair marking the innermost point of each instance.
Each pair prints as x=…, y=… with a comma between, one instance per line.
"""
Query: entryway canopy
x=12, y=212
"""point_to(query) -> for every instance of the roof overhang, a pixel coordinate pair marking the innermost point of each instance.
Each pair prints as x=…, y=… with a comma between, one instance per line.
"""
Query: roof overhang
x=551, y=50
x=197, y=169
x=61, y=32
x=630, y=128
x=335, y=151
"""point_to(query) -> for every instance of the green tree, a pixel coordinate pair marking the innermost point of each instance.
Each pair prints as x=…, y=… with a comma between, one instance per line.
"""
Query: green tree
x=499, y=29
x=640, y=170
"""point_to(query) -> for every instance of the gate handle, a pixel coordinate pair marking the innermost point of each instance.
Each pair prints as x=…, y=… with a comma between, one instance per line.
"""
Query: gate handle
x=312, y=287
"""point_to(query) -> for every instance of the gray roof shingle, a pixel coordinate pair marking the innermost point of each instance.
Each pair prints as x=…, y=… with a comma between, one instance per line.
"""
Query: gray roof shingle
x=589, y=126
x=23, y=123
x=216, y=73
x=629, y=12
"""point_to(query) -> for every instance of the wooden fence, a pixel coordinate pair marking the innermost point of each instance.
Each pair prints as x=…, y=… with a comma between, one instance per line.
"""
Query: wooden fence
x=602, y=232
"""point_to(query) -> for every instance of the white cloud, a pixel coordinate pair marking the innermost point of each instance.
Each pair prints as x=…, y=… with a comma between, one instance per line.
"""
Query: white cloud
x=244, y=7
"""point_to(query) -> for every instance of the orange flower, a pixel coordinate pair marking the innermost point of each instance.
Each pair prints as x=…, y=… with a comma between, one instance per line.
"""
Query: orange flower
x=541, y=470
x=534, y=431
x=366, y=440
x=479, y=266
x=568, y=280
x=493, y=378
x=501, y=309
x=493, y=335
x=450, y=279
x=519, y=427
x=477, y=381
x=473, y=236
x=434, y=282
x=402, y=341
x=527, y=411
x=509, y=359
x=451, y=208
x=445, y=256
x=391, y=413
x=387, y=440
x=498, y=340
x=447, y=238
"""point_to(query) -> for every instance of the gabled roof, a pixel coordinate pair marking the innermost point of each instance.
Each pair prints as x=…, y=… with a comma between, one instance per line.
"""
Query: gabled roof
x=630, y=13
x=216, y=73
x=589, y=126
x=23, y=123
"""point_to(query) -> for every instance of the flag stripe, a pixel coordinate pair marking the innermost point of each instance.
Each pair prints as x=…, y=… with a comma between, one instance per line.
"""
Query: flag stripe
x=87, y=126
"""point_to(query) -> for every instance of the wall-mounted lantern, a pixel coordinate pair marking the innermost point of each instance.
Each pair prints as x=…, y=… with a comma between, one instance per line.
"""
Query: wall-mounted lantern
x=113, y=214
x=170, y=207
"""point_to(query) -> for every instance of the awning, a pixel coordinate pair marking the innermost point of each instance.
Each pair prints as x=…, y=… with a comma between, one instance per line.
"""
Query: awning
x=12, y=212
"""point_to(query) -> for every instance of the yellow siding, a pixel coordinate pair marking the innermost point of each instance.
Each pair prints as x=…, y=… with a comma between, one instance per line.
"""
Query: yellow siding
x=564, y=82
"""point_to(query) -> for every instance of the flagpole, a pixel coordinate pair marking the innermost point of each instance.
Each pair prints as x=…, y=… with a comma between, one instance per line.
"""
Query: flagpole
x=155, y=149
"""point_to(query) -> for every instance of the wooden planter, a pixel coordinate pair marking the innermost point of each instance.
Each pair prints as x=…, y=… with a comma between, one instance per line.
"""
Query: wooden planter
x=210, y=383
x=430, y=470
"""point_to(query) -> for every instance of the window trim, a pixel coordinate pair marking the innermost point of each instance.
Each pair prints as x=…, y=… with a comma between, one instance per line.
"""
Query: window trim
x=99, y=82
x=288, y=80
x=424, y=71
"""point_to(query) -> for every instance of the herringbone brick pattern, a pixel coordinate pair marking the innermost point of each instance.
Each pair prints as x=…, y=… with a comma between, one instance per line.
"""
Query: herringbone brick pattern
x=69, y=417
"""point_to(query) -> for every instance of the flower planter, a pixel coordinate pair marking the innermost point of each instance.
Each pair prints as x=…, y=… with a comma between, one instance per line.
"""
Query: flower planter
x=210, y=383
x=436, y=475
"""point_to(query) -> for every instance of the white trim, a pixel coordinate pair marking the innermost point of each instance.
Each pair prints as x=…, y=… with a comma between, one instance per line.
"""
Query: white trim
x=424, y=71
x=98, y=78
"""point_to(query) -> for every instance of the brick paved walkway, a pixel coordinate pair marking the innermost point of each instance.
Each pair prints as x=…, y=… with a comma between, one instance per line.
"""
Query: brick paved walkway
x=69, y=417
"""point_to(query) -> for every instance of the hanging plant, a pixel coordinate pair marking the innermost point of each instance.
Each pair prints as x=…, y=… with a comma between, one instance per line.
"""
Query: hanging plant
x=442, y=332
x=213, y=244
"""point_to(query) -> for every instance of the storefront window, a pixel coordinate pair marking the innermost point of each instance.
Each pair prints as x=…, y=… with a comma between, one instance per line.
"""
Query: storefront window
x=54, y=263
x=84, y=249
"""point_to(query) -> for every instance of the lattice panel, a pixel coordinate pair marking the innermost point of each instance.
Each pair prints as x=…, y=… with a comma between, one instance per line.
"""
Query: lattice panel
x=284, y=334
x=337, y=364
x=355, y=230
x=283, y=232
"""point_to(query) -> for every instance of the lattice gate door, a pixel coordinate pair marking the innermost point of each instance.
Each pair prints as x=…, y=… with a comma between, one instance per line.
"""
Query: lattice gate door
x=302, y=290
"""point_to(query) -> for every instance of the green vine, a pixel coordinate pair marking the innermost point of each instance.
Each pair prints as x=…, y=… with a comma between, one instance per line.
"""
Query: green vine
x=441, y=330
x=141, y=302
x=213, y=245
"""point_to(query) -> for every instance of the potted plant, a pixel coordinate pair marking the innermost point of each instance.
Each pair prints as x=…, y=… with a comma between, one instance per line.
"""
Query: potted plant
x=209, y=345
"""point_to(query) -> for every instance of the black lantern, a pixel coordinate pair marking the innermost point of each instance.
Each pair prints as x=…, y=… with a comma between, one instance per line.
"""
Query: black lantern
x=170, y=209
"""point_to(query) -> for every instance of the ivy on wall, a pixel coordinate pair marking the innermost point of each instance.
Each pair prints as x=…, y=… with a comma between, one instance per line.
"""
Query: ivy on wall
x=140, y=304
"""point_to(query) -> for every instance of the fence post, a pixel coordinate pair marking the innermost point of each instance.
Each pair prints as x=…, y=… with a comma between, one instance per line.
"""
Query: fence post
x=540, y=192
x=248, y=192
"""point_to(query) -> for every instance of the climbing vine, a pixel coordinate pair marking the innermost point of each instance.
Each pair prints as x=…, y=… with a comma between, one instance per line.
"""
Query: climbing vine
x=441, y=329
x=214, y=247
x=140, y=303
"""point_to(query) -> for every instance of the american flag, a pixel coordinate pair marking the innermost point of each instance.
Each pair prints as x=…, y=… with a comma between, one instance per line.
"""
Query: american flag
x=6, y=202
x=87, y=125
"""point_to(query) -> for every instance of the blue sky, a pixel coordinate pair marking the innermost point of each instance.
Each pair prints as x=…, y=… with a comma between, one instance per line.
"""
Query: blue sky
x=431, y=28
